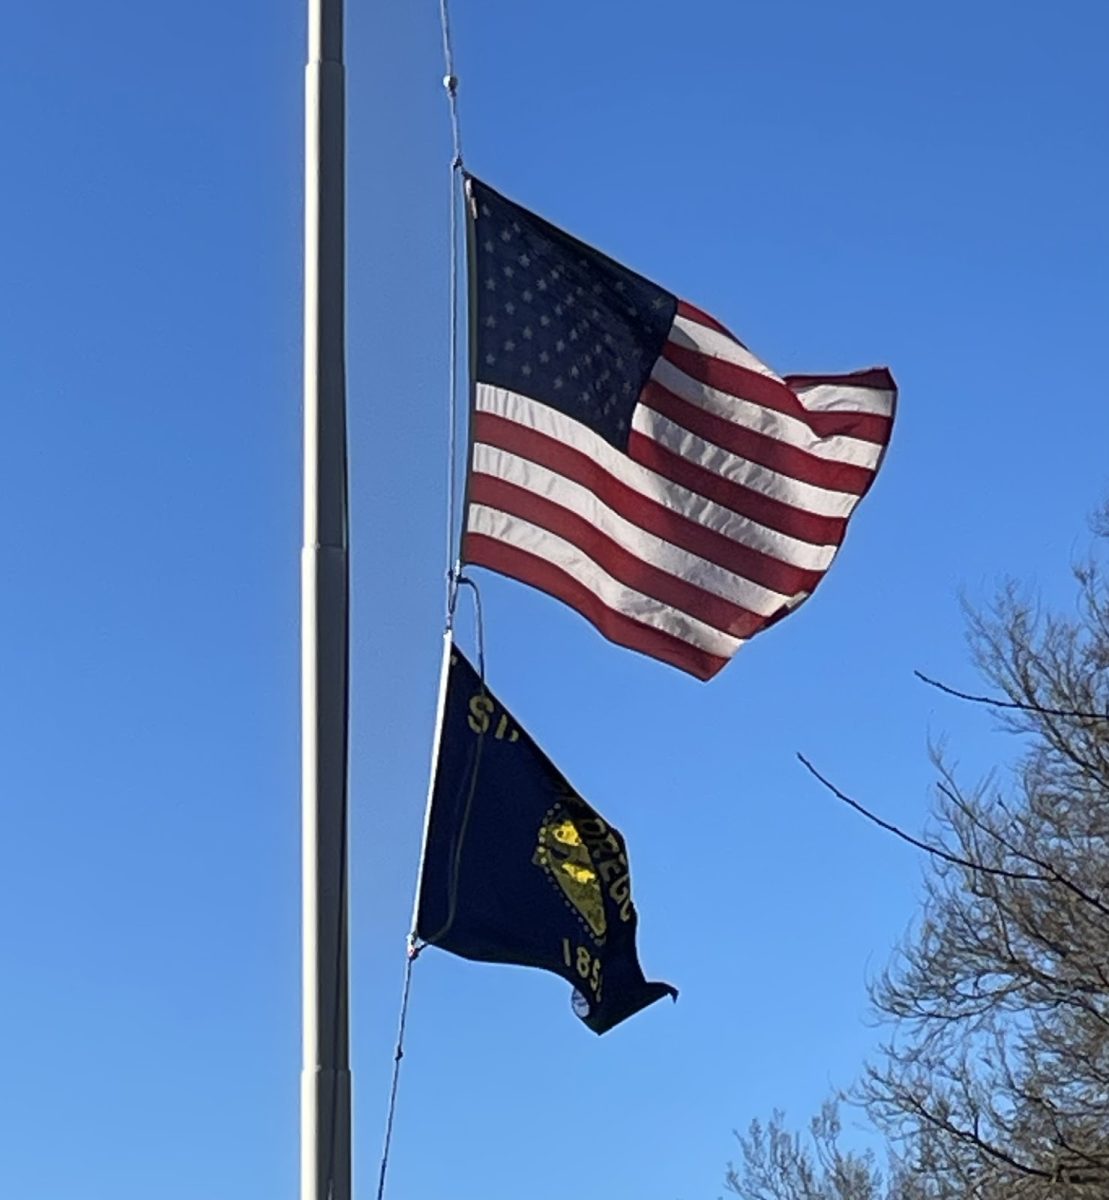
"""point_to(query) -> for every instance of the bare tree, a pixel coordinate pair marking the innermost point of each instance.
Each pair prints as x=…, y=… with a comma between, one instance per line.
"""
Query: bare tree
x=776, y=1164
x=993, y=1082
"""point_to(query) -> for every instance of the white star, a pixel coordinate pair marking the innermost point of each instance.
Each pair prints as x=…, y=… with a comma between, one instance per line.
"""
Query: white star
x=558, y=381
x=509, y=308
x=510, y=345
x=525, y=369
x=527, y=332
x=491, y=321
x=490, y=285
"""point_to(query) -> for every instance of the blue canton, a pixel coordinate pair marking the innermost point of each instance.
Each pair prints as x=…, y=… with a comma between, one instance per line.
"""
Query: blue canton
x=559, y=322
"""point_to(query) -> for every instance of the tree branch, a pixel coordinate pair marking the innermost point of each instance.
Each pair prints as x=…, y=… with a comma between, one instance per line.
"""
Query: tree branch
x=993, y=702
x=898, y=832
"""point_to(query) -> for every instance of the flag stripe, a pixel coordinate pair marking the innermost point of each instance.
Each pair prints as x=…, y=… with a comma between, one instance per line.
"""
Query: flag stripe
x=755, y=446
x=770, y=393
x=741, y=471
x=637, y=558
x=792, y=431
x=695, y=335
x=518, y=564
x=692, y=313
x=767, y=511
x=872, y=390
x=612, y=592
x=532, y=430
x=622, y=565
x=522, y=456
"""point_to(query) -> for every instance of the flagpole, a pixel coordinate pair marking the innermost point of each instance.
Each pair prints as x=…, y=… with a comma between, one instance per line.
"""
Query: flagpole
x=325, y=1078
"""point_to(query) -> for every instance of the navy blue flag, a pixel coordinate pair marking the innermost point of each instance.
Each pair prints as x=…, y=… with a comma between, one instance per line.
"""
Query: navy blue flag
x=518, y=868
x=634, y=459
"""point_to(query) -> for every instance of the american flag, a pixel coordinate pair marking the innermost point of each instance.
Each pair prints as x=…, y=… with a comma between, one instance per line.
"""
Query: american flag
x=633, y=458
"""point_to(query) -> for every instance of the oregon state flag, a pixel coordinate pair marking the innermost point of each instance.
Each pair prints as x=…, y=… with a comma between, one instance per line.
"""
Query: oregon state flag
x=518, y=868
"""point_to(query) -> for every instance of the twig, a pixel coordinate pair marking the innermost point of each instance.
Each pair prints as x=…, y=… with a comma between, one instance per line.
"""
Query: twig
x=937, y=851
x=993, y=702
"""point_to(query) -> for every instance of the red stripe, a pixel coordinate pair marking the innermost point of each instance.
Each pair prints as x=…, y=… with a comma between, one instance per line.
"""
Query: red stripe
x=756, y=447
x=656, y=518
x=809, y=527
x=527, y=568
x=687, y=310
x=877, y=378
x=621, y=564
x=771, y=393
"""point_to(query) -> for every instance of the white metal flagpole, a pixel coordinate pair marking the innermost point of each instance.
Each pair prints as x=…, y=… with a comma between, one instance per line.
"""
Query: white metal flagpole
x=325, y=1079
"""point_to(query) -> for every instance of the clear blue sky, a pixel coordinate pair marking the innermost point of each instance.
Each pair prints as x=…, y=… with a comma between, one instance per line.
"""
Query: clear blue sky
x=842, y=184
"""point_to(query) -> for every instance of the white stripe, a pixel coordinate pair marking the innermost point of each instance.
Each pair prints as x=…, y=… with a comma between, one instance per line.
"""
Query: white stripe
x=748, y=415
x=611, y=592
x=682, y=564
x=843, y=397
x=806, y=496
x=549, y=421
x=692, y=335
x=821, y=397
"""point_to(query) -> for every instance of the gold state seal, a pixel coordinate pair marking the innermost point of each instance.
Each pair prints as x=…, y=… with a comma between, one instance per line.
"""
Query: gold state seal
x=568, y=864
